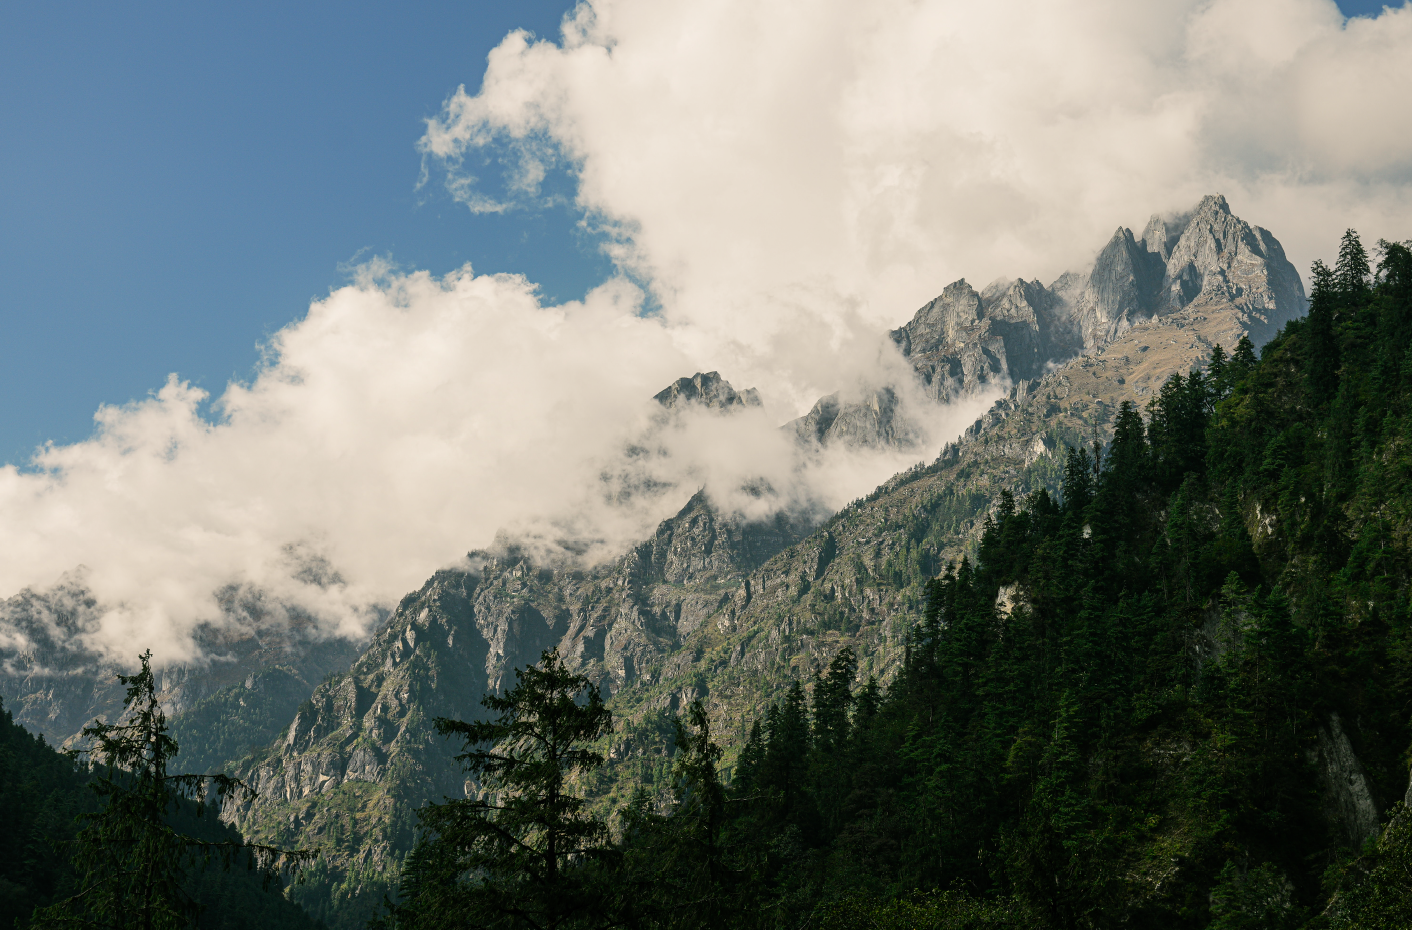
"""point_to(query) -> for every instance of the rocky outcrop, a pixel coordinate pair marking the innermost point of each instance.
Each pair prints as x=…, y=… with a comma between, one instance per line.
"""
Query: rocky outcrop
x=875, y=420
x=951, y=344
x=708, y=390
x=1347, y=793
x=462, y=636
x=1119, y=291
x=1206, y=257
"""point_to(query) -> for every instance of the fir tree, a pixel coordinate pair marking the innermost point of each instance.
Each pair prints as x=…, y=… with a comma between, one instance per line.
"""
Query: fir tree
x=1323, y=344
x=130, y=860
x=833, y=697
x=1351, y=271
x=1243, y=361
x=515, y=855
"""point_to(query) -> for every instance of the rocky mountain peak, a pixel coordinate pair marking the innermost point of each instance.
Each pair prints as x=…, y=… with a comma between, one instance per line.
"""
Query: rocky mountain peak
x=707, y=389
x=1161, y=235
x=1220, y=258
x=941, y=322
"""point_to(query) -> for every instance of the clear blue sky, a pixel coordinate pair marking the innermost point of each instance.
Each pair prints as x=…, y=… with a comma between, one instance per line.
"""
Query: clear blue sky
x=178, y=180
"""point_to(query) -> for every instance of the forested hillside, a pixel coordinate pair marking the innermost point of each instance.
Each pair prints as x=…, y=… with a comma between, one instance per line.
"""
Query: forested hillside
x=42, y=795
x=1177, y=695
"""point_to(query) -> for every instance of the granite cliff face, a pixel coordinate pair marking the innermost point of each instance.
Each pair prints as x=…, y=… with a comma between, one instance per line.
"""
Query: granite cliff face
x=963, y=341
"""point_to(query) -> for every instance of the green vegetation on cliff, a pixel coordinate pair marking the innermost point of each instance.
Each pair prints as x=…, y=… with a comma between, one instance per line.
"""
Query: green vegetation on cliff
x=1180, y=695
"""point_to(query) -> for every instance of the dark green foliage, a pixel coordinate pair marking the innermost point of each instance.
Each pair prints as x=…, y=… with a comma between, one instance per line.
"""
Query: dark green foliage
x=679, y=870
x=950, y=910
x=1111, y=717
x=130, y=859
x=41, y=792
x=519, y=853
x=1351, y=271
x=1375, y=890
x=1323, y=355
x=1253, y=899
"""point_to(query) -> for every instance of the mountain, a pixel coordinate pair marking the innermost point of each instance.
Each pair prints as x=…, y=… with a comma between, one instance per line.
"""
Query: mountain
x=709, y=390
x=57, y=683
x=1013, y=331
x=338, y=738
x=731, y=612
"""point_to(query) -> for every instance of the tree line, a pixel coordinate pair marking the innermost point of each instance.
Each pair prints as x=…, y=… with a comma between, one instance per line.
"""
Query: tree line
x=1111, y=716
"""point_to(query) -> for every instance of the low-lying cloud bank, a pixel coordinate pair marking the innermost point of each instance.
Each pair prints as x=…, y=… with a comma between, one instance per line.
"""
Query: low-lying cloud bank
x=788, y=182
x=405, y=420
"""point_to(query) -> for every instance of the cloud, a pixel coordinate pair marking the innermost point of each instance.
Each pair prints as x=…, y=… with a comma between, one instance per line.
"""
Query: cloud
x=787, y=181
x=405, y=420
x=842, y=155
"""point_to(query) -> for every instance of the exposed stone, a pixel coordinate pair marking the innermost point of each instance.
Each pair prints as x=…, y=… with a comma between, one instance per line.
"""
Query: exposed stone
x=1348, y=797
x=707, y=389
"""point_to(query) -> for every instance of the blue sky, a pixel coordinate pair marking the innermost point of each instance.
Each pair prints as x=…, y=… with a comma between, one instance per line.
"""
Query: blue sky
x=179, y=180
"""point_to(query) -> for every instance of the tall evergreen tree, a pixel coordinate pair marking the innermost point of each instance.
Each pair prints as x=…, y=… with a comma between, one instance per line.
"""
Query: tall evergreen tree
x=514, y=856
x=1351, y=271
x=1323, y=343
x=1243, y=360
x=833, y=697
x=130, y=860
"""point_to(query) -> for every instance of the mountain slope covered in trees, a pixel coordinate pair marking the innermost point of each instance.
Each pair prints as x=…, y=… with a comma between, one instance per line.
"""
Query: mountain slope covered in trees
x=42, y=795
x=1177, y=695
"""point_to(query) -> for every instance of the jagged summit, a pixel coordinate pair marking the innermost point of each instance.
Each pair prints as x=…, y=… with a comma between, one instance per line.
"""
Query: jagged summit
x=1208, y=255
x=709, y=390
x=873, y=421
x=1015, y=330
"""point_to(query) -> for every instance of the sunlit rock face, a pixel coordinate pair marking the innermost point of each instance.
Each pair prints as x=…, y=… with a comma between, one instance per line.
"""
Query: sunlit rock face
x=1208, y=256
x=1017, y=330
x=707, y=389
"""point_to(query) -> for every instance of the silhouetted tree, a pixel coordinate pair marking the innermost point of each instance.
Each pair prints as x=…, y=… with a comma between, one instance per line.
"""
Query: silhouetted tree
x=130, y=861
x=515, y=855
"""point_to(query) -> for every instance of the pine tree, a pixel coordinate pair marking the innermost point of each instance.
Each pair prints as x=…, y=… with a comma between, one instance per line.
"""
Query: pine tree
x=746, y=776
x=1243, y=361
x=788, y=745
x=1351, y=271
x=1216, y=371
x=1323, y=343
x=1078, y=480
x=130, y=860
x=833, y=696
x=515, y=855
